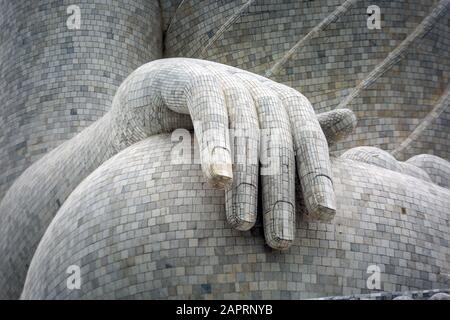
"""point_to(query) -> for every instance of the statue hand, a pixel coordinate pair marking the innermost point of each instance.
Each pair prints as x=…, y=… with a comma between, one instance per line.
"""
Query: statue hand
x=273, y=125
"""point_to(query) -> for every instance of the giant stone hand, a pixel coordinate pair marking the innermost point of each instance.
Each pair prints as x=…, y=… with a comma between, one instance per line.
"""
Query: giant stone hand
x=271, y=123
x=274, y=125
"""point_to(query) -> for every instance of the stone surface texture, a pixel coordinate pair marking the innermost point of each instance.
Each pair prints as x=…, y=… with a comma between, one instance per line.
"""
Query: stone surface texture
x=341, y=55
x=87, y=173
x=57, y=81
x=408, y=295
x=140, y=227
x=162, y=96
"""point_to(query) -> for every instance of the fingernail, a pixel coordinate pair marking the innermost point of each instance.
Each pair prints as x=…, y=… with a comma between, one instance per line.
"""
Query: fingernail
x=321, y=203
x=221, y=170
x=243, y=216
x=279, y=225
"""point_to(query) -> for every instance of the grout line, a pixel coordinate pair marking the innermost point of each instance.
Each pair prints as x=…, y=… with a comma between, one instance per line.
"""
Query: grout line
x=441, y=106
x=173, y=19
x=224, y=27
x=334, y=16
x=399, y=52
